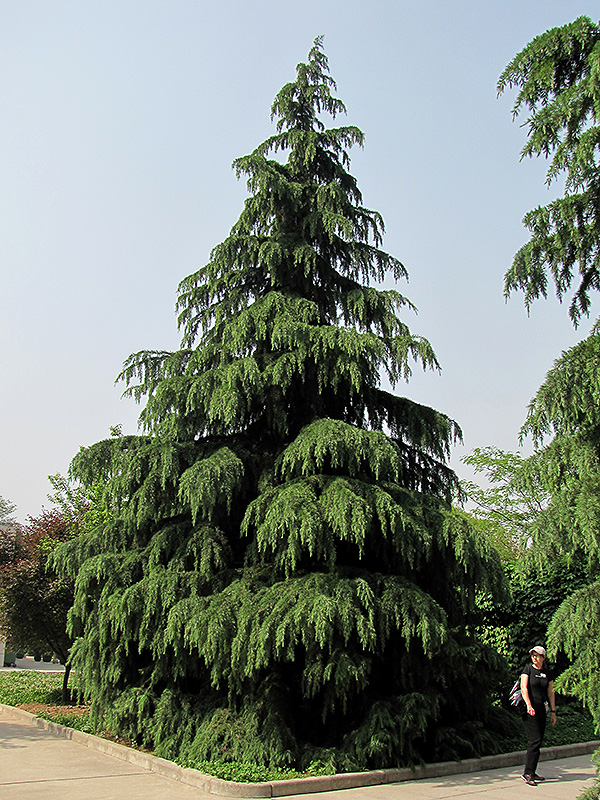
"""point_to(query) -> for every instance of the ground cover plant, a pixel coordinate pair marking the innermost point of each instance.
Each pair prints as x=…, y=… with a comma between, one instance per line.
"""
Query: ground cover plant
x=246, y=772
x=279, y=558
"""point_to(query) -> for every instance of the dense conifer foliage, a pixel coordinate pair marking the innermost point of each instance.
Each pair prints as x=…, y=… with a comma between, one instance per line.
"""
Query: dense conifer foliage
x=558, y=75
x=277, y=575
x=565, y=414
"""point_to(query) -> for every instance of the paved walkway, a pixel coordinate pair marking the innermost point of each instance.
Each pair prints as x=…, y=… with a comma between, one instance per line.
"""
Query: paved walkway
x=36, y=764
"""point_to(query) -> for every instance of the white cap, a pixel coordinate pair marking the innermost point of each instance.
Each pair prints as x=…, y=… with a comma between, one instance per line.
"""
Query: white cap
x=539, y=650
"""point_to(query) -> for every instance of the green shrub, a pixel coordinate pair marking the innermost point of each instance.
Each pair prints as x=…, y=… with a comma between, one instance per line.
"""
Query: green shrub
x=573, y=725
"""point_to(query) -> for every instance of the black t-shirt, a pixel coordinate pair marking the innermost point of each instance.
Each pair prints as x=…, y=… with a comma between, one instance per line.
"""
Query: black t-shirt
x=537, y=684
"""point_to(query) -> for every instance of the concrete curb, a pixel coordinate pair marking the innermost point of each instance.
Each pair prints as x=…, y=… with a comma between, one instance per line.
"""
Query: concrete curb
x=320, y=783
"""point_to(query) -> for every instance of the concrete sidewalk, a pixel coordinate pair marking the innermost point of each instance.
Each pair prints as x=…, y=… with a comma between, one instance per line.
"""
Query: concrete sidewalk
x=36, y=763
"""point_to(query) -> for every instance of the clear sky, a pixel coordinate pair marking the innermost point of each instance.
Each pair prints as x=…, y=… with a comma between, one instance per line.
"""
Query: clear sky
x=120, y=120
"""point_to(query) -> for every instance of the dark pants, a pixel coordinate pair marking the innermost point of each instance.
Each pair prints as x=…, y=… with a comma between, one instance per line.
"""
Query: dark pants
x=534, y=730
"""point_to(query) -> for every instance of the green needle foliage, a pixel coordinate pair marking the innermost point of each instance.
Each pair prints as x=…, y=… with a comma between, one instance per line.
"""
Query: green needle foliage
x=566, y=408
x=278, y=577
x=558, y=76
x=564, y=421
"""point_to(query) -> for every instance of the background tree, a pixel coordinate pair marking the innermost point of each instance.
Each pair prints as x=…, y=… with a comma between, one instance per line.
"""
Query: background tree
x=508, y=504
x=7, y=510
x=34, y=599
x=281, y=576
x=9, y=529
x=509, y=509
x=558, y=76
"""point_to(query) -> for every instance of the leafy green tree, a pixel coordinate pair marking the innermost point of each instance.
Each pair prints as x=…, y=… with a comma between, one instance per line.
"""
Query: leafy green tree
x=509, y=502
x=281, y=576
x=558, y=76
x=508, y=509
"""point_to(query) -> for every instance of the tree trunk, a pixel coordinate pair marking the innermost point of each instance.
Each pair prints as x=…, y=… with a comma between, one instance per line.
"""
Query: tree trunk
x=65, y=690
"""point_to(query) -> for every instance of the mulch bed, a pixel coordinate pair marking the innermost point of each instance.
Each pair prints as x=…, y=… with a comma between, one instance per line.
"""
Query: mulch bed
x=76, y=711
x=38, y=708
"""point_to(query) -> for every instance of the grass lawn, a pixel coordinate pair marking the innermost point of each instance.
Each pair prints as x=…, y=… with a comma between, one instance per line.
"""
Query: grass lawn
x=30, y=686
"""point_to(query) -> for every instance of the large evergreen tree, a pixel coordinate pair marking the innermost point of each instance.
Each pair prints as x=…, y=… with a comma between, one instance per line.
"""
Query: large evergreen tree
x=279, y=575
x=558, y=75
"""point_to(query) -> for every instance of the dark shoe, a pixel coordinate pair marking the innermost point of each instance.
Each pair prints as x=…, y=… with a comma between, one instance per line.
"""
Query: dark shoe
x=537, y=777
x=529, y=779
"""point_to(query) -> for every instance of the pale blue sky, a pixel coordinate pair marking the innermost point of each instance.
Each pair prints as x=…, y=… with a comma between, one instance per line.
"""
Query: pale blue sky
x=120, y=122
